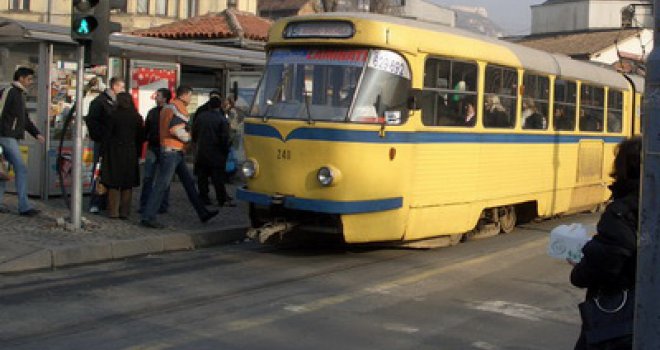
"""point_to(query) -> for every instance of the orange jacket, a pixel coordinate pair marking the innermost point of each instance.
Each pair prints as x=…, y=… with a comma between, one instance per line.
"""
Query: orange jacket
x=173, y=126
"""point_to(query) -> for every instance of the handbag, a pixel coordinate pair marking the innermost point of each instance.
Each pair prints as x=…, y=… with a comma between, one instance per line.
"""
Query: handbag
x=608, y=317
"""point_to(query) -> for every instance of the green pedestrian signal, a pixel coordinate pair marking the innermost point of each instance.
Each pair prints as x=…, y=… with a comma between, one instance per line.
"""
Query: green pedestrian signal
x=84, y=27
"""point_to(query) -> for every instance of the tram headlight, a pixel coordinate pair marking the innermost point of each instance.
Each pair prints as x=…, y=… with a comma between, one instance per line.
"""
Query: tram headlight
x=250, y=168
x=328, y=176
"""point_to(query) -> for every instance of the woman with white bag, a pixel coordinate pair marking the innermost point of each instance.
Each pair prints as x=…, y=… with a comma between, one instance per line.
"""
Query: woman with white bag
x=608, y=266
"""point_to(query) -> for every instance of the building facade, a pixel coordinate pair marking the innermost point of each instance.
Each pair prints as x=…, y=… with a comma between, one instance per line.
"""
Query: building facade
x=555, y=16
x=137, y=14
x=614, y=33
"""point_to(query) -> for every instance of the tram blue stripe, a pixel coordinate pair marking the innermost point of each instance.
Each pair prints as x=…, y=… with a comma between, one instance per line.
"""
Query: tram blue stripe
x=324, y=134
x=324, y=206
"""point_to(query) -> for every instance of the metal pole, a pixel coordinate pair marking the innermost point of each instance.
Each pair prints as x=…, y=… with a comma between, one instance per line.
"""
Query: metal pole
x=76, y=187
x=43, y=101
x=50, y=12
x=647, y=322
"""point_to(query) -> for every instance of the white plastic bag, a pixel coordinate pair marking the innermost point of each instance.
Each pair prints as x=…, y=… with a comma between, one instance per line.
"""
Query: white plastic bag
x=566, y=241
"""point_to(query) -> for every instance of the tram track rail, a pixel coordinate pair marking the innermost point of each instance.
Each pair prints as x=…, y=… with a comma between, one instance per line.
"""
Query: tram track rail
x=111, y=278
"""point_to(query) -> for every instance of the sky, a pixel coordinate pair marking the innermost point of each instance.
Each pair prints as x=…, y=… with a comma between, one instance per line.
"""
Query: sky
x=514, y=16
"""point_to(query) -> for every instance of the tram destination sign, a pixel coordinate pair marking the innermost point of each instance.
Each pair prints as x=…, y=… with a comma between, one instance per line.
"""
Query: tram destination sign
x=319, y=29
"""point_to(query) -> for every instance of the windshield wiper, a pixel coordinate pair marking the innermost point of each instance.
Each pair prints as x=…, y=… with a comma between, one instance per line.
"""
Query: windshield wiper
x=309, y=113
x=269, y=102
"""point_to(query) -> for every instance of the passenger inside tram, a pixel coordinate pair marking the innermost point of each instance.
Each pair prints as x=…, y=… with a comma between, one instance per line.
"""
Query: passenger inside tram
x=495, y=115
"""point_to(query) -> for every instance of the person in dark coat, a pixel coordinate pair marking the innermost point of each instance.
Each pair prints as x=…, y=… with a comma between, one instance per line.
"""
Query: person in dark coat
x=207, y=106
x=97, y=124
x=610, y=258
x=122, y=146
x=211, y=134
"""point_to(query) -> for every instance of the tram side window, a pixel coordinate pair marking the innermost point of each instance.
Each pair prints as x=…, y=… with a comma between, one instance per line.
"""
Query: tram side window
x=614, y=111
x=535, y=102
x=500, y=97
x=450, y=93
x=564, y=106
x=591, y=108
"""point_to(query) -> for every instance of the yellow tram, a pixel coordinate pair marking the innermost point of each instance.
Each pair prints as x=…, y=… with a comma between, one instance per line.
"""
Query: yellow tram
x=385, y=129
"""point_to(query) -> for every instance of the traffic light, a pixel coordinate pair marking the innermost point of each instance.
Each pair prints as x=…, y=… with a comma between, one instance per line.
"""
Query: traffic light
x=91, y=26
x=83, y=21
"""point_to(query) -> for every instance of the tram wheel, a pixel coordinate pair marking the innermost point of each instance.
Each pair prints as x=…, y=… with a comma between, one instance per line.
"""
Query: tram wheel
x=507, y=219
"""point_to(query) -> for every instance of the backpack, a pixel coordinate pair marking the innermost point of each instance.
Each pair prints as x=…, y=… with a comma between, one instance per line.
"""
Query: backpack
x=4, y=93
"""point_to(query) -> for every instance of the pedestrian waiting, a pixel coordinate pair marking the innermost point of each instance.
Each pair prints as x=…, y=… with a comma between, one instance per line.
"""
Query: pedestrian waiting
x=210, y=133
x=174, y=139
x=152, y=133
x=122, y=147
x=14, y=122
x=100, y=110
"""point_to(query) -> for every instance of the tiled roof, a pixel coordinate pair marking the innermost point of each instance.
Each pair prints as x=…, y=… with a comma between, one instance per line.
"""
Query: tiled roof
x=576, y=44
x=225, y=24
x=278, y=5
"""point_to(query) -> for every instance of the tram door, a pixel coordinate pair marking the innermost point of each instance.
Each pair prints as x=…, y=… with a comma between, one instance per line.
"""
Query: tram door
x=589, y=187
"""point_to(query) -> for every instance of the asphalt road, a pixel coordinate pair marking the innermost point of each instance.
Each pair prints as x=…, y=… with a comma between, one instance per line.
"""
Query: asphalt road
x=491, y=294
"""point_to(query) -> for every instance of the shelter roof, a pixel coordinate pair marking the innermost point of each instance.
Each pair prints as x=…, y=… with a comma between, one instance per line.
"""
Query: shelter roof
x=226, y=24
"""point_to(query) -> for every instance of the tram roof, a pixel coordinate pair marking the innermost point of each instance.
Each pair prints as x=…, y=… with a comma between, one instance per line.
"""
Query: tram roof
x=532, y=59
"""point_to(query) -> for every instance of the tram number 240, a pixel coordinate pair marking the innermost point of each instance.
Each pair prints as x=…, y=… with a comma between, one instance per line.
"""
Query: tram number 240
x=283, y=154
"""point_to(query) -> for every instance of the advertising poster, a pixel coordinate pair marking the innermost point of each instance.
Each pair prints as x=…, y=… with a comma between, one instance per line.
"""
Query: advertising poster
x=146, y=78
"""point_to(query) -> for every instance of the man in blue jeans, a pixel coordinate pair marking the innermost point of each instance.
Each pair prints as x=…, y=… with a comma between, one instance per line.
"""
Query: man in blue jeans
x=14, y=121
x=151, y=126
x=174, y=138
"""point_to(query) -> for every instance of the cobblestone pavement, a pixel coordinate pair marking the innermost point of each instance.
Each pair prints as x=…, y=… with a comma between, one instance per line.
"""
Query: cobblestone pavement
x=22, y=236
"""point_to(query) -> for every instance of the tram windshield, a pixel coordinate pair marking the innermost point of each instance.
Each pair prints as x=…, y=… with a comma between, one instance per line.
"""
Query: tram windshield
x=356, y=85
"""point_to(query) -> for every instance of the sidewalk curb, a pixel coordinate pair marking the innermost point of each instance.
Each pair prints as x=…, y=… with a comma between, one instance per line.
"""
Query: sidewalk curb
x=49, y=257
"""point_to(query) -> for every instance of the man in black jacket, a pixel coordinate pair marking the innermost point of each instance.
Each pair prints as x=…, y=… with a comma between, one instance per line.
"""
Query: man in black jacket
x=14, y=122
x=152, y=131
x=211, y=134
x=96, y=120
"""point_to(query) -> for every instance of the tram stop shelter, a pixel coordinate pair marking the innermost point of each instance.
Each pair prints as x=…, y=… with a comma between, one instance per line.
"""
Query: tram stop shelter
x=146, y=63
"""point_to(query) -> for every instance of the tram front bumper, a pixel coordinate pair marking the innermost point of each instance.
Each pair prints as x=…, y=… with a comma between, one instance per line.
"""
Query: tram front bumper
x=321, y=205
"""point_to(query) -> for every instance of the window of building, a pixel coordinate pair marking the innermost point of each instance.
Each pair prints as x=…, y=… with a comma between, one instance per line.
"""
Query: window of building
x=500, y=97
x=193, y=8
x=450, y=93
x=535, y=104
x=142, y=6
x=614, y=111
x=161, y=7
x=19, y=5
x=232, y=4
x=592, y=109
x=564, y=107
